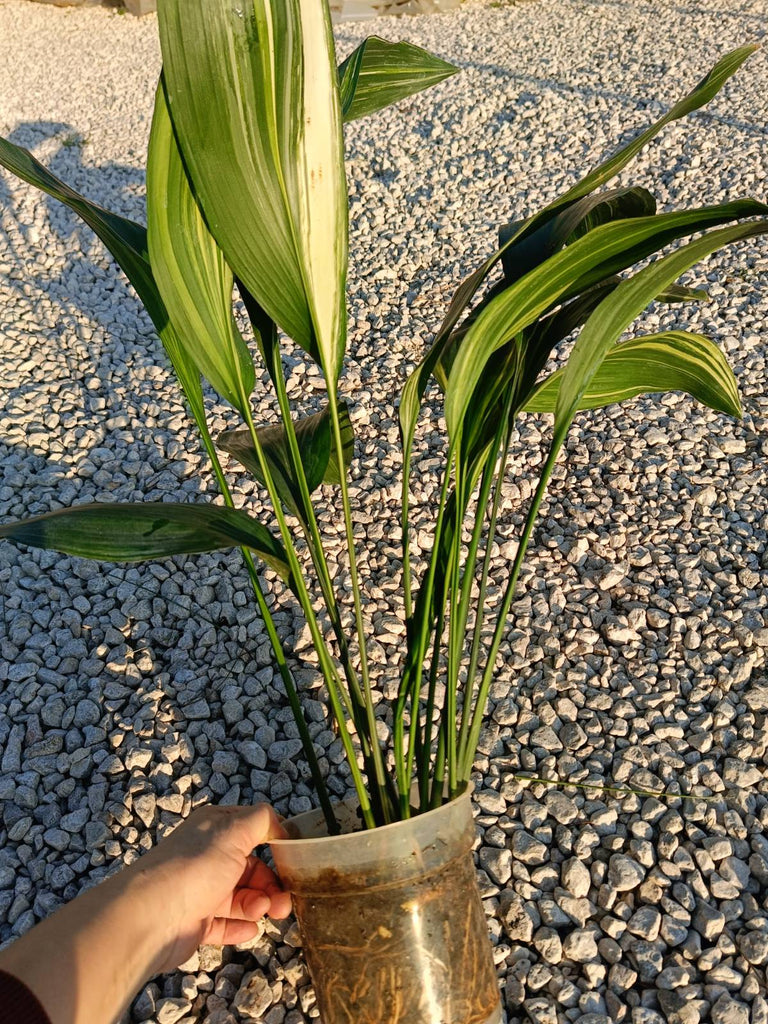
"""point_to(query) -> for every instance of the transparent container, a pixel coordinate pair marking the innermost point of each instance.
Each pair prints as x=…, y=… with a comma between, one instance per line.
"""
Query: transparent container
x=393, y=927
x=359, y=10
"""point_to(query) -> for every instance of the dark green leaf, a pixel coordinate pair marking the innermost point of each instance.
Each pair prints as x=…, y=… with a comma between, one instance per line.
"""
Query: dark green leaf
x=581, y=217
x=137, y=532
x=591, y=259
x=628, y=300
x=698, y=97
x=127, y=241
x=379, y=73
x=318, y=455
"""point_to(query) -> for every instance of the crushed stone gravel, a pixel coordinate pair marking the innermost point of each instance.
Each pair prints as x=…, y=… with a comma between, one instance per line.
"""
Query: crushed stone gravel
x=636, y=660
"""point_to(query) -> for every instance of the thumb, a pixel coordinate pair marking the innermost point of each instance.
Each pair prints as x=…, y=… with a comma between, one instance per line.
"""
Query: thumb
x=256, y=825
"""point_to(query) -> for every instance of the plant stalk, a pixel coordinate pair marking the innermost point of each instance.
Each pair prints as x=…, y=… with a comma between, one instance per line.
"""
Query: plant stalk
x=410, y=684
x=326, y=663
x=378, y=759
x=488, y=473
x=477, y=715
x=357, y=704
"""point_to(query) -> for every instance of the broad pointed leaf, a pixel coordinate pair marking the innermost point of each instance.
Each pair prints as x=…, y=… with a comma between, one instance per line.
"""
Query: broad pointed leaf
x=563, y=229
x=582, y=216
x=379, y=73
x=671, y=361
x=253, y=93
x=136, y=532
x=189, y=268
x=127, y=242
x=699, y=96
x=703, y=92
x=619, y=309
x=589, y=260
x=318, y=453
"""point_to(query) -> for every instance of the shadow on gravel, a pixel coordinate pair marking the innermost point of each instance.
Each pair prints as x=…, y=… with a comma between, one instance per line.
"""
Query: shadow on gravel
x=632, y=101
x=91, y=307
x=742, y=13
x=116, y=186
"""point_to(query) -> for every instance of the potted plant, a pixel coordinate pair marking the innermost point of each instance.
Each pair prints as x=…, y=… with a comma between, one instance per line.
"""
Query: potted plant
x=246, y=191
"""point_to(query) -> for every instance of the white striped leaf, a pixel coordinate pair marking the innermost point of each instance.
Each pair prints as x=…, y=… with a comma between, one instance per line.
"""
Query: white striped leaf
x=379, y=73
x=190, y=270
x=670, y=361
x=698, y=97
x=253, y=92
x=627, y=301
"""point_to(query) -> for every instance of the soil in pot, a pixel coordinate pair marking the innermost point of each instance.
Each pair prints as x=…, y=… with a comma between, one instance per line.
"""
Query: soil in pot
x=393, y=927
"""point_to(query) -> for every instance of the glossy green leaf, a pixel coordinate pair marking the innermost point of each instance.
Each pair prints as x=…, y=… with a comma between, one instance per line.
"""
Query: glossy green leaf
x=137, y=532
x=189, y=268
x=379, y=73
x=700, y=95
x=671, y=361
x=579, y=218
x=542, y=336
x=603, y=252
x=565, y=228
x=679, y=293
x=127, y=242
x=627, y=301
x=253, y=93
x=318, y=453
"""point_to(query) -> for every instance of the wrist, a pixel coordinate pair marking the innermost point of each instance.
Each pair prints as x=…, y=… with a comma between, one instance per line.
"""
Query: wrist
x=144, y=908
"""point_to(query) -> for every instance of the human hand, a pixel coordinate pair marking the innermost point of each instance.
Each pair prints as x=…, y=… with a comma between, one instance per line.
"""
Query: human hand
x=208, y=884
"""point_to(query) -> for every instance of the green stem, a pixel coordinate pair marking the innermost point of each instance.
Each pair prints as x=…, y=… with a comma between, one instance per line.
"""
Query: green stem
x=357, y=704
x=311, y=528
x=277, y=647
x=488, y=474
x=424, y=745
x=405, y=532
x=455, y=634
x=327, y=666
x=438, y=780
x=478, y=627
x=498, y=633
x=410, y=684
x=378, y=759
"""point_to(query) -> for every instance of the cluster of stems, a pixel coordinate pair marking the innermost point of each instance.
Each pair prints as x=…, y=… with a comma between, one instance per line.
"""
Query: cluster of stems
x=434, y=746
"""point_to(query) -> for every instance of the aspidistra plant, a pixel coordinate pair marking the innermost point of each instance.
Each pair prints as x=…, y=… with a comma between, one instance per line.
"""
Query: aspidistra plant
x=246, y=194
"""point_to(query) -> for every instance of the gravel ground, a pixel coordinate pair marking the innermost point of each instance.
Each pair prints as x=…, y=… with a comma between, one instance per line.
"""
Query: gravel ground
x=637, y=658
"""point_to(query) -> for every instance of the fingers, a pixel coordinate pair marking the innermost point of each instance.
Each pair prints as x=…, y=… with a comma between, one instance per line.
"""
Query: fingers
x=245, y=827
x=280, y=904
x=261, y=823
x=251, y=904
x=223, y=932
x=256, y=874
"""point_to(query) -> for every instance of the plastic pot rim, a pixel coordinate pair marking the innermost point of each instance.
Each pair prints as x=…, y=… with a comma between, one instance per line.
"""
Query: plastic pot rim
x=352, y=804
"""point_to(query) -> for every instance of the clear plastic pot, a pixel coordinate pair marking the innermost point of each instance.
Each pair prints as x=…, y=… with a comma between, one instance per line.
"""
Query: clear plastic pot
x=391, y=919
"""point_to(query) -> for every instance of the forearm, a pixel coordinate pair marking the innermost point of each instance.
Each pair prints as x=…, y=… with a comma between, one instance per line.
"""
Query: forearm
x=86, y=961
